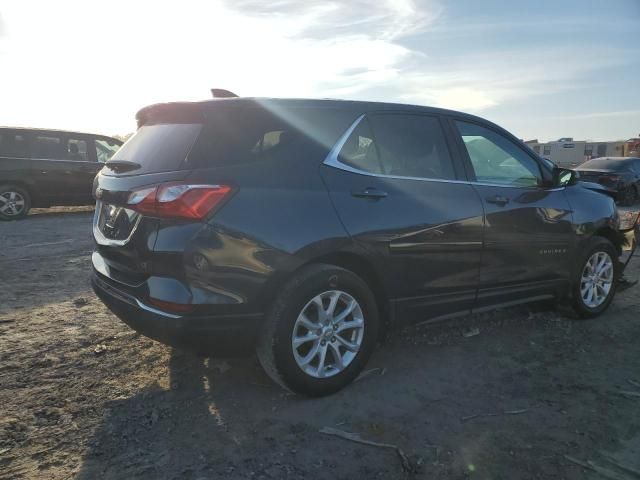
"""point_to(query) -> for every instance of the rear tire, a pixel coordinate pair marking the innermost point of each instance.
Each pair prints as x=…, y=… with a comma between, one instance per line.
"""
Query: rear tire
x=596, y=279
x=347, y=343
x=15, y=202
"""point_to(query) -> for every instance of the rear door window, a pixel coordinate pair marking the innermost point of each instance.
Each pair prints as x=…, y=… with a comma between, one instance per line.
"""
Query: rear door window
x=360, y=151
x=399, y=145
x=13, y=144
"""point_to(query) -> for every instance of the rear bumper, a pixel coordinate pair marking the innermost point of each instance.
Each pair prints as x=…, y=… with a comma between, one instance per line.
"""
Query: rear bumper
x=225, y=335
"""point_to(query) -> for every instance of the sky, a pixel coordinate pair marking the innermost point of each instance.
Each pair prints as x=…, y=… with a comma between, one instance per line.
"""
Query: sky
x=542, y=69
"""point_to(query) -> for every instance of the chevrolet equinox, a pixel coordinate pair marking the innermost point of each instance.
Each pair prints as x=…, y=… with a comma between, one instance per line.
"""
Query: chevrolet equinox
x=303, y=229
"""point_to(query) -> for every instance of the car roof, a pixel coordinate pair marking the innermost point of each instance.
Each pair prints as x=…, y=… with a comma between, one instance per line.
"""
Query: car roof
x=360, y=105
x=354, y=106
x=616, y=158
x=72, y=132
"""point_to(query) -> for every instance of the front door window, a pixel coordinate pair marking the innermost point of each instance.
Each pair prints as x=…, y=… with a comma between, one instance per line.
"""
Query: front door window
x=496, y=159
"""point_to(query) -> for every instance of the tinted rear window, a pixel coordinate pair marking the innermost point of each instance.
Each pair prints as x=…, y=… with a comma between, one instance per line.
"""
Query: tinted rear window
x=233, y=135
x=158, y=148
x=253, y=134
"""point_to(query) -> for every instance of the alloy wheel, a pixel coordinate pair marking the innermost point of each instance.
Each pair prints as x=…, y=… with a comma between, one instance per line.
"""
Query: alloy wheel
x=328, y=334
x=597, y=279
x=11, y=203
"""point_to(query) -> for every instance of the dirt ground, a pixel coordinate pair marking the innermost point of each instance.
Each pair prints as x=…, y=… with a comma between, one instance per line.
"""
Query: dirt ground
x=84, y=397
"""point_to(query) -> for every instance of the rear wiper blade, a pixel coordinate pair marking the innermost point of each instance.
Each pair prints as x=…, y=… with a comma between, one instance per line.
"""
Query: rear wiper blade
x=120, y=166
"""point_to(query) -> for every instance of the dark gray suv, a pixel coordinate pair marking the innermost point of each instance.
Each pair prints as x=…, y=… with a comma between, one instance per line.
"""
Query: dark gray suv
x=305, y=228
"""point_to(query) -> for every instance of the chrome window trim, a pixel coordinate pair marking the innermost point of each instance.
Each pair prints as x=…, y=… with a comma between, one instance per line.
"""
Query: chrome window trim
x=99, y=236
x=332, y=161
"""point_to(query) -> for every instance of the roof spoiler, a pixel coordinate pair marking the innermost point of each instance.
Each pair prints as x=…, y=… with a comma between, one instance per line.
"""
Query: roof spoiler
x=222, y=93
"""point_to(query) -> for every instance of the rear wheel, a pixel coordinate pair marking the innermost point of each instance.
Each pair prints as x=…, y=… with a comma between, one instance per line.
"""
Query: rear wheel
x=320, y=331
x=15, y=202
x=596, y=278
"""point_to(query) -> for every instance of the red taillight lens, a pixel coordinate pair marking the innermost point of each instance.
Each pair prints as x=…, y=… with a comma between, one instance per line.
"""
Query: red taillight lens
x=178, y=200
x=170, y=306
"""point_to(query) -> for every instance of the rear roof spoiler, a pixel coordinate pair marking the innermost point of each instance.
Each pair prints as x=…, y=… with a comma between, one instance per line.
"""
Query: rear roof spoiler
x=175, y=112
x=222, y=93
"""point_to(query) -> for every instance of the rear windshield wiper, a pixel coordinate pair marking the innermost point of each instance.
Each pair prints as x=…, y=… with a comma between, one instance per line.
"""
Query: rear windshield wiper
x=121, y=166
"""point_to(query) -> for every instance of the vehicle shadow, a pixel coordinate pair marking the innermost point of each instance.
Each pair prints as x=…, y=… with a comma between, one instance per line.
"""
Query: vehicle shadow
x=226, y=419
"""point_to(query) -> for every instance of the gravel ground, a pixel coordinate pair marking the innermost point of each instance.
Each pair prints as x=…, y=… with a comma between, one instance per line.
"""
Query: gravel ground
x=82, y=396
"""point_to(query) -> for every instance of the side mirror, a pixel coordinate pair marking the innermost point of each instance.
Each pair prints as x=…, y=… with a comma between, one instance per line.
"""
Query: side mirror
x=564, y=177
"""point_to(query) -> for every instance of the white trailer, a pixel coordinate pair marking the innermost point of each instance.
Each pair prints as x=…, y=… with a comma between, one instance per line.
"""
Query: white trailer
x=569, y=153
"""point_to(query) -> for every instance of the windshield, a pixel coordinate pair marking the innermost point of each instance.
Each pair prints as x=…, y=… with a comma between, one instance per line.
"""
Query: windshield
x=105, y=149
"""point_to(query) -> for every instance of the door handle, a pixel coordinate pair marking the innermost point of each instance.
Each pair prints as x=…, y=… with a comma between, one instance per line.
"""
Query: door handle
x=370, y=192
x=498, y=200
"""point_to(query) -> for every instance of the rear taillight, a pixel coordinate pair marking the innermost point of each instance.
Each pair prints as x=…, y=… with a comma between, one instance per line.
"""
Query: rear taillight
x=173, y=200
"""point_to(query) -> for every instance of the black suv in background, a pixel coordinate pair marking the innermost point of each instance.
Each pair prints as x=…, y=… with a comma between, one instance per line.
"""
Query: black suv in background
x=42, y=168
x=621, y=174
x=304, y=228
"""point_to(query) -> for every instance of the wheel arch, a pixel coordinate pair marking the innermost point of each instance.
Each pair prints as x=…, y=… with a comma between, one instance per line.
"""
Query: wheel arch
x=356, y=263
x=612, y=235
x=27, y=187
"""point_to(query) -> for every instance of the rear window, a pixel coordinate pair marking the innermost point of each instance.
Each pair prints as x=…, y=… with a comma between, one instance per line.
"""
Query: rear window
x=158, y=148
x=251, y=134
x=233, y=135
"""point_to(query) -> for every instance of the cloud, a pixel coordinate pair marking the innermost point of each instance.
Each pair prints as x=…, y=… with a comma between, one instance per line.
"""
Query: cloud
x=614, y=114
x=149, y=51
x=382, y=19
x=362, y=50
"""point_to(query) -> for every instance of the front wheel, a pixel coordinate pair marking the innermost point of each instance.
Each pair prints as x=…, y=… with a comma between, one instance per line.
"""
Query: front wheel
x=597, y=276
x=15, y=202
x=320, y=331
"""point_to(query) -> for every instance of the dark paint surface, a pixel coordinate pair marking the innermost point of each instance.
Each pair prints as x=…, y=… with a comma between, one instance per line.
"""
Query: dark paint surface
x=528, y=240
x=435, y=248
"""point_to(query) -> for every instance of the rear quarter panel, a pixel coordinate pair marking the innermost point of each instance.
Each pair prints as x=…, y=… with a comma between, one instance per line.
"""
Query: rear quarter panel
x=279, y=218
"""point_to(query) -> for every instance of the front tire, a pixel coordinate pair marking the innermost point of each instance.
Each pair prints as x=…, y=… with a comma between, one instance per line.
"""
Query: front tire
x=15, y=202
x=596, y=278
x=320, y=331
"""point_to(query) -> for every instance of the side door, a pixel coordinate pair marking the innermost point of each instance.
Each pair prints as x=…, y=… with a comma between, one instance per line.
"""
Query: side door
x=528, y=240
x=402, y=197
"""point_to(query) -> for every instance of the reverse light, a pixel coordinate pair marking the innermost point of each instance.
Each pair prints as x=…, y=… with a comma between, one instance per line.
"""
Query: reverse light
x=187, y=201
